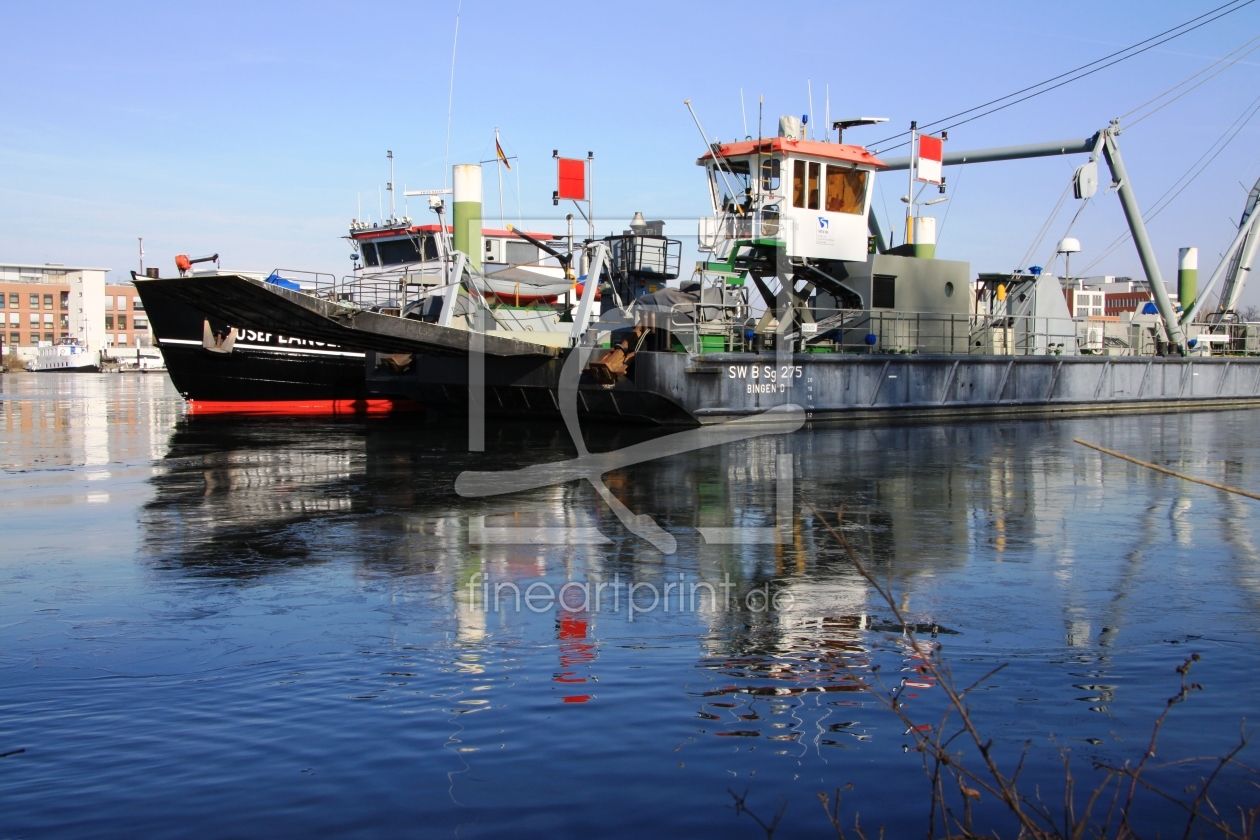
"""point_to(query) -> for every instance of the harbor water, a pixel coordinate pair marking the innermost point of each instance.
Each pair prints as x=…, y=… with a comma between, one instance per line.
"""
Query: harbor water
x=242, y=627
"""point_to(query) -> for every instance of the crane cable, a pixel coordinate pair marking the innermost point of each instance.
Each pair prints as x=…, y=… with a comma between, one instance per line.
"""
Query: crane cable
x=1076, y=74
x=1237, y=55
x=1045, y=227
x=1164, y=200
x=1192, y=87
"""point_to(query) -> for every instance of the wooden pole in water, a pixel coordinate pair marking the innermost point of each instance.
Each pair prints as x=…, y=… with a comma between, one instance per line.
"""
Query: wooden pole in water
x=1165, y=470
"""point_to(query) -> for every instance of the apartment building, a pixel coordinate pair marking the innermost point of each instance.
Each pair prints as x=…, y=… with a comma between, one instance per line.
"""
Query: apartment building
x=36, y=307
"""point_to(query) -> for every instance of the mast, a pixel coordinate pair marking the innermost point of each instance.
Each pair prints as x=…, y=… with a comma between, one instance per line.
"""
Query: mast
x=498, y=168
x=914, y=136
x=390, y=185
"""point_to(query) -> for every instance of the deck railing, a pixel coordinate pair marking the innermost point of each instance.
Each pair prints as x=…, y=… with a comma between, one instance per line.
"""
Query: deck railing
x=871, y=331
x=385, y=291
x=716, y=231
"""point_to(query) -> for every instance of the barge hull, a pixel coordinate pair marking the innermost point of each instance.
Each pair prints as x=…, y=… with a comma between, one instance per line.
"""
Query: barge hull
x=675, y=389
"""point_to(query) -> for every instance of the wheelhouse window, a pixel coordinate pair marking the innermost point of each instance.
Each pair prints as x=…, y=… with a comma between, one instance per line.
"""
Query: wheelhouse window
x=369, y=254
x=733, y=180
x=398, y=251
x=770, y=170
x=806, y=178
x=846, y=190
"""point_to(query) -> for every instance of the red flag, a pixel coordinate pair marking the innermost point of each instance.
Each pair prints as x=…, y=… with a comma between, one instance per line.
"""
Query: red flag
x=931, y=152
x=571, y=174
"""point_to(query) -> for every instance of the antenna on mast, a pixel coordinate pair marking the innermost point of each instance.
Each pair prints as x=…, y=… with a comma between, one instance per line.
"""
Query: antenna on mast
x=743, y=113
x=810, y=90
x=450, y=100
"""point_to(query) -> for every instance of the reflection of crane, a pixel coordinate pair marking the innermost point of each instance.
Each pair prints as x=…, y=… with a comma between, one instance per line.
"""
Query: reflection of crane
x=1240, y=262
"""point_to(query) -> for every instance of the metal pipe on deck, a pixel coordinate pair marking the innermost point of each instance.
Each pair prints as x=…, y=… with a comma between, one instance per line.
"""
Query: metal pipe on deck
x=872, y=224
x=1024, y=152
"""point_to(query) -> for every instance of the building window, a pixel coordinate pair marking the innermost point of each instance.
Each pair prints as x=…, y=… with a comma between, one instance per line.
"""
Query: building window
x=48, y=319
x=140, y=323
x=14, y=319
x=109, y=303
x=122, y=304
x=49, y=337
x=65, y=300
x=13, y=301
x=48, y=301
x=15, y=338
x=35, y=320
x=65, y=321
x=122, y=322
x=138, y=305
x=34, y=301
x=109, y=322
x=34, y=338
x=2, y=300
x=846, y=190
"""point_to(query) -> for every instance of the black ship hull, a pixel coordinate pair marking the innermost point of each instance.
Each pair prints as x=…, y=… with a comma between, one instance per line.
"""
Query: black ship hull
x=258, y=371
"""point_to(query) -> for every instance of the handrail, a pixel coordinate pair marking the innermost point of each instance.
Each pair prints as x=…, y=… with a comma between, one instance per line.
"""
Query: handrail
x=877, y=331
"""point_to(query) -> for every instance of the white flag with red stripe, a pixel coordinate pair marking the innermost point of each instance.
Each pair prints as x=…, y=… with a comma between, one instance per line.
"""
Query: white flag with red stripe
x=928, y=165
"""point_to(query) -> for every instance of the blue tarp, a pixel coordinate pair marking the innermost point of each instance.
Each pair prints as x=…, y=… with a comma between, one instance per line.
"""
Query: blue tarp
x=276, y=280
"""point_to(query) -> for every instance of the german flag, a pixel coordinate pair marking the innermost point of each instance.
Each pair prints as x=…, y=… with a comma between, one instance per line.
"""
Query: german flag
x=498, y=150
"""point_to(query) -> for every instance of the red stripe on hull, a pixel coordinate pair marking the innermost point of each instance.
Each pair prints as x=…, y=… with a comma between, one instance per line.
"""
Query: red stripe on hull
x=305, y=407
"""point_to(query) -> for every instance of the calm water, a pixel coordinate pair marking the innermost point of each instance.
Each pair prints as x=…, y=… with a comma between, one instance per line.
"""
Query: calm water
x=255, y=627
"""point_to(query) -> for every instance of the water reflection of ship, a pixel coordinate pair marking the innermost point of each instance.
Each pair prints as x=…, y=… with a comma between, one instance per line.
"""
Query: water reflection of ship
x=233, y=499
x=240, y=498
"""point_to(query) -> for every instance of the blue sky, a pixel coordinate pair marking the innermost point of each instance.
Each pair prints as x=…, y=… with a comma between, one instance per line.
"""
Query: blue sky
x=252, y=129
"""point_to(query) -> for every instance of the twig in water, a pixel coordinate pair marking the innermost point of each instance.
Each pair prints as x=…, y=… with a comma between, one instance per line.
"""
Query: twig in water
x=741, y=807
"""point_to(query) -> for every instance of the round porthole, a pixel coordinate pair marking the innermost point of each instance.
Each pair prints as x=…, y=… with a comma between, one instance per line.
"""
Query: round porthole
x=949, y=290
